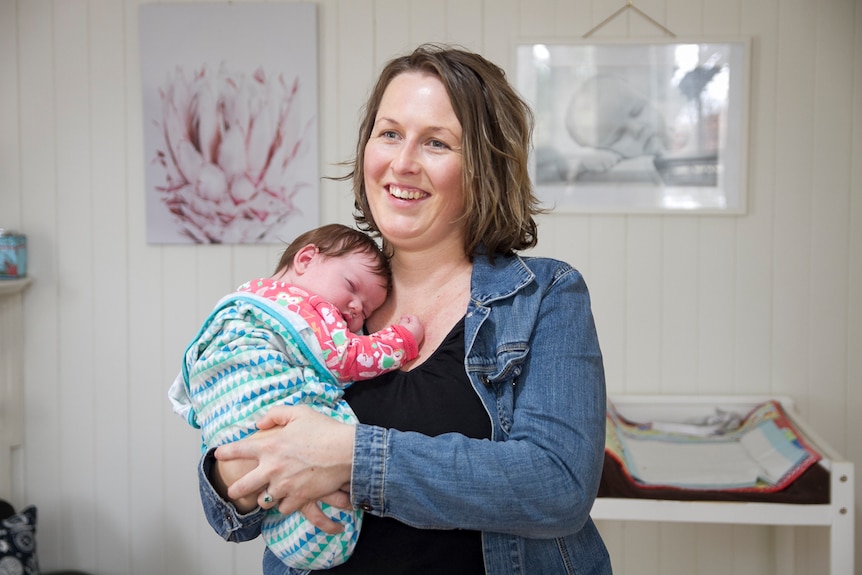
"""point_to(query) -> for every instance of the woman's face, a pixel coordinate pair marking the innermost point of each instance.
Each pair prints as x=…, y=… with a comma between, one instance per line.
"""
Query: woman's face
x=413, y=167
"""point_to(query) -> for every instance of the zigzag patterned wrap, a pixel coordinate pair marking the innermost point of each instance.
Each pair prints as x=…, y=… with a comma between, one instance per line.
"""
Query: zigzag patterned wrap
x=248, y=356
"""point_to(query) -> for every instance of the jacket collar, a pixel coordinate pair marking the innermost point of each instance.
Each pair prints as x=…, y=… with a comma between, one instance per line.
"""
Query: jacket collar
x=499, y=278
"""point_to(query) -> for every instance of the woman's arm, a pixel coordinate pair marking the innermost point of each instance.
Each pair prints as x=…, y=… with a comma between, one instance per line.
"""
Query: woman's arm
x=538, y=478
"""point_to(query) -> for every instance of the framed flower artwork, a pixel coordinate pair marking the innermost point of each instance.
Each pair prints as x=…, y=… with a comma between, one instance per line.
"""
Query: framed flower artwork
x=230, y=121
x=639, y=126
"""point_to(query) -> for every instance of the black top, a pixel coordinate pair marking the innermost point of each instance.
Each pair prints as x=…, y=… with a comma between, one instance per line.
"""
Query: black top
x=435, y=397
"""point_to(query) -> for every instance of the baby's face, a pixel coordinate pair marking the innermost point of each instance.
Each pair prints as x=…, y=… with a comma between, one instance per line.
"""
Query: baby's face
x=608, y=114
x=349, y=283
x=641, y=131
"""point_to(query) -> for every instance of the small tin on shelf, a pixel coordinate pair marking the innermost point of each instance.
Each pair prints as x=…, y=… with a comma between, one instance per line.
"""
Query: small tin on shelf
x=13, y=254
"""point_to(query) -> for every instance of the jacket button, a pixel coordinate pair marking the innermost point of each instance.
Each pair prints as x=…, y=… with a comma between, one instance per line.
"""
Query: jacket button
x=366, y=507
x=485, y=380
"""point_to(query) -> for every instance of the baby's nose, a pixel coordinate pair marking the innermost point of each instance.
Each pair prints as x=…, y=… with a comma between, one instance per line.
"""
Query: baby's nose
x=355, y=308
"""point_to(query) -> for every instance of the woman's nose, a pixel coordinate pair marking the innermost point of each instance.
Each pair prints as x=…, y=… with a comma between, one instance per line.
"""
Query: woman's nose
x=406, y=159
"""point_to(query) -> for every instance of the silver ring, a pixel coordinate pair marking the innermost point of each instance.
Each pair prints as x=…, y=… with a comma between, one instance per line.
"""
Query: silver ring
x=267, y=498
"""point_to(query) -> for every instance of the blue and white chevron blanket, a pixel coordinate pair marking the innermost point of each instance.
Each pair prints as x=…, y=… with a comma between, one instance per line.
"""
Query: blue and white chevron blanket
x=249, y=355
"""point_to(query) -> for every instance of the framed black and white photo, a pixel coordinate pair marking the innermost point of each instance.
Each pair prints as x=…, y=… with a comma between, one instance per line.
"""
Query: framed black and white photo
x=640, y=126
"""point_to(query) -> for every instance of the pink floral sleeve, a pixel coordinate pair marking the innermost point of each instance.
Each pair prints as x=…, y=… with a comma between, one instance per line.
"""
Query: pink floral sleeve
x=351, y=356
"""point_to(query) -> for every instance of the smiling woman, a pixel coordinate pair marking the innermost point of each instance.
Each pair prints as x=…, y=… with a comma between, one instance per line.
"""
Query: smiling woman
x=413, y=165
x=492, y=439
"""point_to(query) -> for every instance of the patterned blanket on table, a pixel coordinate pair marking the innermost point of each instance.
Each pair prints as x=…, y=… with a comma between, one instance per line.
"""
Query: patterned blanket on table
x=761, y=452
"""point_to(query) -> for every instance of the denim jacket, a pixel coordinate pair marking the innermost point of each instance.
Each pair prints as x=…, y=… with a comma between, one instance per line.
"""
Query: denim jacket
x=533, y=357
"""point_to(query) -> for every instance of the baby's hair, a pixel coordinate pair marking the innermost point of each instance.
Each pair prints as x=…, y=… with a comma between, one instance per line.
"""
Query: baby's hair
x=337, y=240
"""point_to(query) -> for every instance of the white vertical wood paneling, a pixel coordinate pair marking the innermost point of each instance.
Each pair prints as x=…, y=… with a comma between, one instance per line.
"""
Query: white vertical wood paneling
x=334, y=196
x=721, y=18
x=356, y=34
x=711, y=543
x=76, y=287
x=392, y=37
x=110, y=274
x=570, y=19
x=678, y=548
x=765, y=302
x=685, y=19
x=716, y=295
x=751, y=547
x=829, y=199
x=500, y=28
x=830, y=216
x=463, y=24
x=567, y=237
x=38, y=219
x=608, y=277
x=791, y=209
x=532, y=16
x=754, y=254
x=643, y=310
x=145, y=408
x=681, y=322
x=642, y=549
x=427, y=21
x=10, y=196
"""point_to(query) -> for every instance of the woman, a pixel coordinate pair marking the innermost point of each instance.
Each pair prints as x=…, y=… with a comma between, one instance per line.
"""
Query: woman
x=484, y=454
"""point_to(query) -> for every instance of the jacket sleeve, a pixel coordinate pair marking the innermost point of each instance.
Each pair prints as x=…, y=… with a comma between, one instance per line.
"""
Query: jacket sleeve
x=540, y=474
x=222, y=516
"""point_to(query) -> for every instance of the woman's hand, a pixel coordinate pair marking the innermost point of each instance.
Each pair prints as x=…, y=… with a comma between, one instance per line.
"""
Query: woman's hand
x=302, y=457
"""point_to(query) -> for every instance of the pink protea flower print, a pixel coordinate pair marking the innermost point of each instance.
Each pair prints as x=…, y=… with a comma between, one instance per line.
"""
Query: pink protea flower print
x=232, y=144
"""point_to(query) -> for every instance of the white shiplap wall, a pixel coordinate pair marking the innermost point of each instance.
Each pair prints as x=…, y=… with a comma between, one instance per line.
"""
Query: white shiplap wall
x=769, y=302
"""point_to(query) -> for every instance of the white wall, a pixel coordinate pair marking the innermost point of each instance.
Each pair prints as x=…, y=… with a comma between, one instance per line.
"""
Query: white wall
x=768, y=302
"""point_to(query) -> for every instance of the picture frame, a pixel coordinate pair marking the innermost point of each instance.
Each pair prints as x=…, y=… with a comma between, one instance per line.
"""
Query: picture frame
x=649, y=127
x=230, y=112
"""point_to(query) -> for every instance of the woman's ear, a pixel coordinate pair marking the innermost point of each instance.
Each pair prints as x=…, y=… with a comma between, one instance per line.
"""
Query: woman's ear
x=303, y=258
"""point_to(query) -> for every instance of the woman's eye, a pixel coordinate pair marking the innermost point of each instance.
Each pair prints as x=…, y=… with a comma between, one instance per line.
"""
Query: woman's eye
x=388, y=134
x=438, y=145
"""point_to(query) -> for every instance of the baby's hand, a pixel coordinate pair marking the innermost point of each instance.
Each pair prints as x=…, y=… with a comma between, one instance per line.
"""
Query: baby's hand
x=411, y=322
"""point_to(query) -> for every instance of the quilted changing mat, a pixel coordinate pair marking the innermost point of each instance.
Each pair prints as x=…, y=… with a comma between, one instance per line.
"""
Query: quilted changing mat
x=758, y=456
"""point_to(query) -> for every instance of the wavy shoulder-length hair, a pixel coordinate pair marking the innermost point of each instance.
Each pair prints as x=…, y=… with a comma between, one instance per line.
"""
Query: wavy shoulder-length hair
x=497, y=127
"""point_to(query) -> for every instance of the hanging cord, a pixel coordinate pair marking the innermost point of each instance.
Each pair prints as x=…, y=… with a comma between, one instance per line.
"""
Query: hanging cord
x=628, y=6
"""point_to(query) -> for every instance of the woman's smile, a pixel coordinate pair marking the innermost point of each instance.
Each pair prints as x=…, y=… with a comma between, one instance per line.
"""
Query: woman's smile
x=412, y=164
x=402, y=193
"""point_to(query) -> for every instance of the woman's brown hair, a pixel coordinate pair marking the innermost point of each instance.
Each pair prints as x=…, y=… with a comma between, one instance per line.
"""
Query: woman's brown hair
x=497, y=127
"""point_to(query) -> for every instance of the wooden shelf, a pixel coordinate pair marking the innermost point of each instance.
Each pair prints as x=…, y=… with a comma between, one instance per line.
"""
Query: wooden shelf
x=13, y=286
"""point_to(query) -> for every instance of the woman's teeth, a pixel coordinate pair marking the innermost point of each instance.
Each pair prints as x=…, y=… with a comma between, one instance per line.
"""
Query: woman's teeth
x=405, y=194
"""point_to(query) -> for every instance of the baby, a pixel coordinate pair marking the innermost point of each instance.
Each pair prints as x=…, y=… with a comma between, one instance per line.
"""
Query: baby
x=289, y=339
